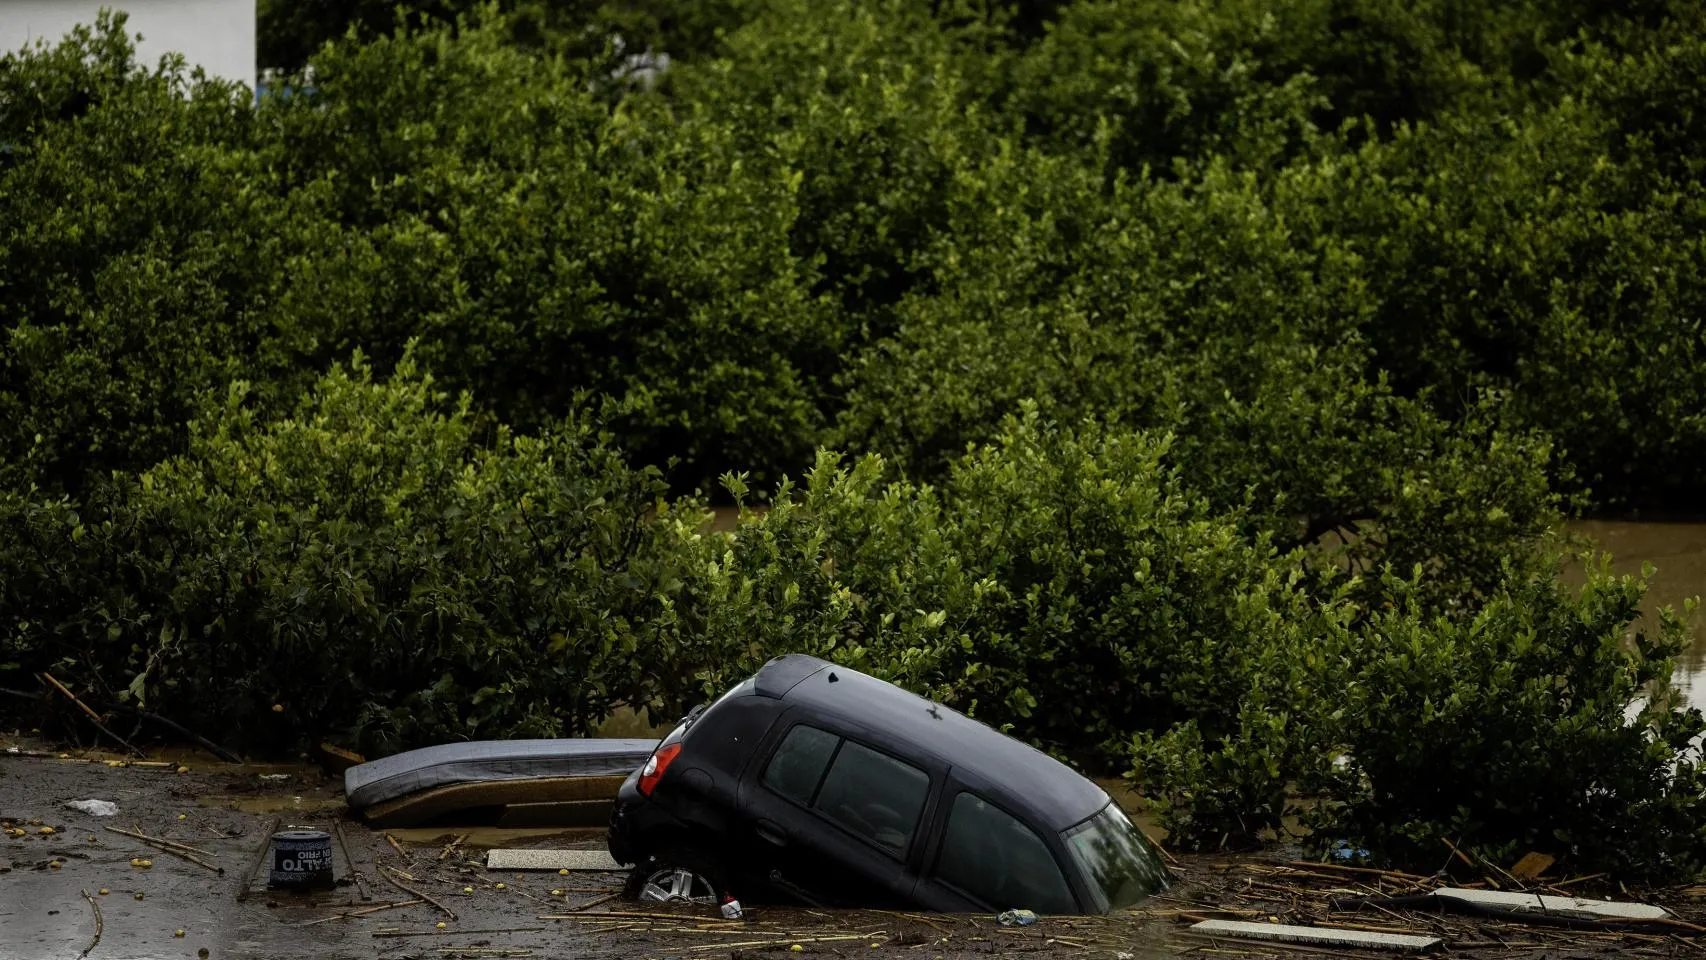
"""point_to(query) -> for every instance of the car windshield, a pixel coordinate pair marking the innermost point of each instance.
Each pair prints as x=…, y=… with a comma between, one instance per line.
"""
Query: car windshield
x=1119, y=862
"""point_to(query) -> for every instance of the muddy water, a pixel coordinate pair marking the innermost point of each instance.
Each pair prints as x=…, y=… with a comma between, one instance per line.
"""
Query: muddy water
x=1677, y=551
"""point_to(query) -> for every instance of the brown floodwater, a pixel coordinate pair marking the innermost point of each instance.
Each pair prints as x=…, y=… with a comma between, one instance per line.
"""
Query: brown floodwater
x=1677, y=552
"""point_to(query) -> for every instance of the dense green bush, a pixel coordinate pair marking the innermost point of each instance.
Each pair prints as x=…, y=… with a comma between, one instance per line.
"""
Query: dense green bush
x=377, y=562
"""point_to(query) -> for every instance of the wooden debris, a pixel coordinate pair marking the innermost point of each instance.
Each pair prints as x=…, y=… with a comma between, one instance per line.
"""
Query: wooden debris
x=1531, y=866
x=98, y=924
x=593, y=860
x=450, y=847
x=1556, y=906
x=1321, y=936
x=94, y=717
x=362, y=912
x=454, y=933
x=255, y=861
x=406, y=855
x=175, y=849
x=385, y=874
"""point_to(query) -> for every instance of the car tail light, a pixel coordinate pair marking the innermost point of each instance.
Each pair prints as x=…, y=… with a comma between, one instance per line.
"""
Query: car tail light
x=652, y=772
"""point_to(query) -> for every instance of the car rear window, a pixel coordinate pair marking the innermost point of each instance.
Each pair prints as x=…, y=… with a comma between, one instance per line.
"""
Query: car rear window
x=989, y=854
x=797, y=766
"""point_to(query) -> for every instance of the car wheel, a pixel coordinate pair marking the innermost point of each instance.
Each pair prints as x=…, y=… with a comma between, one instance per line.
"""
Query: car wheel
x=678, y=876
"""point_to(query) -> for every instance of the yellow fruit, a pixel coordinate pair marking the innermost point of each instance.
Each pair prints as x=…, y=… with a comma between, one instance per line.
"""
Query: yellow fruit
x=562, y=873
x=183, y=769
x=503, y=886
x=796, y=948
x=54, y=864
x=278, y=708
x=179, y=933
x=441, y=924
x=467, y=889
x=139, y=896
x=556, y=893
x=183, y=816
x=141, y=862
x=103, y=891
x=46, y=831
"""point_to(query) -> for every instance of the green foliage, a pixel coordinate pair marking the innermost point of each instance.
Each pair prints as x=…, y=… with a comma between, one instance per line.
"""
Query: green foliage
x=1543, y=723
x=371, y=562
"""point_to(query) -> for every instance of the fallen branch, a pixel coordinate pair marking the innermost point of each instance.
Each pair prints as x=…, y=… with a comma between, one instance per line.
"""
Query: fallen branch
x=94, y=717
x=181, y=731
x=362, y=912
x=175, y=849
x=97, y=908
x=255, y=861
x=408, y=857
x=385, y=874
x=776, y=943
x=360, y=881
x=450, y=847
x=448, y=933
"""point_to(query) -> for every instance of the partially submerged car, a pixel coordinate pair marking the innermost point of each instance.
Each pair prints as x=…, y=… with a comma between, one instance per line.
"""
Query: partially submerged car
x=813, y=782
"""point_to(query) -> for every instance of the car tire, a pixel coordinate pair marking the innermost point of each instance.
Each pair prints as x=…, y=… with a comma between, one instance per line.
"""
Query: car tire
x=678, y=875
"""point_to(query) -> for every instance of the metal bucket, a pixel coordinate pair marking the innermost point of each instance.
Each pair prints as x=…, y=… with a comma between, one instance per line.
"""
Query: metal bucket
x=301, y=860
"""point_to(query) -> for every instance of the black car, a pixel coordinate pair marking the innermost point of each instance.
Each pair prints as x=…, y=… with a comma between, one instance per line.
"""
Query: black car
x=817, y=783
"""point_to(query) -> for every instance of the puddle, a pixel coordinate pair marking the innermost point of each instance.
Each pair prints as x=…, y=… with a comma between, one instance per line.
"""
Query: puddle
x=271, y=803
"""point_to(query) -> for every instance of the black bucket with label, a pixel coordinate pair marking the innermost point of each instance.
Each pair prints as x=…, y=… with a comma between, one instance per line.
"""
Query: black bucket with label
x=301, y=860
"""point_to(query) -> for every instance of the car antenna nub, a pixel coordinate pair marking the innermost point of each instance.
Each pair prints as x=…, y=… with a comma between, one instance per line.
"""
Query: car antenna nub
x=833, y=677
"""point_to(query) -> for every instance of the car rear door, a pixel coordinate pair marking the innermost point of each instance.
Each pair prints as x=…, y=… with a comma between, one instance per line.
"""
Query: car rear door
x=838, y=817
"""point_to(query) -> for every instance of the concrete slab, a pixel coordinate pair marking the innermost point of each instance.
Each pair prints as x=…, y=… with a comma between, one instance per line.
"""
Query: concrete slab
x=1561, y=906
x=1319, y=936
x=550, y=860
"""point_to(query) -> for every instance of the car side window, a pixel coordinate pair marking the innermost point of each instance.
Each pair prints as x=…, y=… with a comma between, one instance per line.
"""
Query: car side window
x=874, y=795
x=992, y=856
x=797, y=766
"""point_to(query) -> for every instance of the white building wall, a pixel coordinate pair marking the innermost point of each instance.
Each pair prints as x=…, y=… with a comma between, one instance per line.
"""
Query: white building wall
x=216, y=35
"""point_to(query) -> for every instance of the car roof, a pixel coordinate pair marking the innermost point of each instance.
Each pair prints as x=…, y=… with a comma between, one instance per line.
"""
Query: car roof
x=1019, y=776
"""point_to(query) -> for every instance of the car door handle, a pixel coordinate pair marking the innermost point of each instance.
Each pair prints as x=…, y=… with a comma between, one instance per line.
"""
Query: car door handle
x=772, y=833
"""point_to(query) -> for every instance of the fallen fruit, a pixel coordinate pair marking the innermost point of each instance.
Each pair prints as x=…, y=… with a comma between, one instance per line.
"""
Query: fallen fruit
x=139, y=896
x=278, y=708
x=563, y=873
x=54, y=864
x=503, y=886
x=441, y=924
x=183, y=769
x=556, y=893
x=141, y=862
x=45, y=831
x=183, y=816
x=796, y=948
x=467, y=889
x=179, y=933
x=103, y=891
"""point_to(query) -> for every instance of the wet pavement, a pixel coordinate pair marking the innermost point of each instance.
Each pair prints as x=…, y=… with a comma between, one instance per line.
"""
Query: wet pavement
x=228, y=813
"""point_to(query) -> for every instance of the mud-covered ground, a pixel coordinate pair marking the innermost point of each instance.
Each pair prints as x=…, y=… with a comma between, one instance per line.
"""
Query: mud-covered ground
x=225, y=910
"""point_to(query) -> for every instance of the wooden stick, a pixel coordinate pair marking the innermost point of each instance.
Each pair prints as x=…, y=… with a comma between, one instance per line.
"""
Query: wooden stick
x=362, y=912
x=169, y=843
x=393, y=881
x=175, y=849
x=94, y=717
x=407, y=857
x=360, y=881
x=255, y=861
x=450, y=847
x=449, y=933
x=97, y=908
x=1585, y=879
x=775, y=943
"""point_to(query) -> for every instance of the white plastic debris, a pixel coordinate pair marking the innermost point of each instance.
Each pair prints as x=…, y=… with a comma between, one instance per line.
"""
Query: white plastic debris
x=550, y=860
x=1562, y=906
x=94, y=808
x=1318, y=936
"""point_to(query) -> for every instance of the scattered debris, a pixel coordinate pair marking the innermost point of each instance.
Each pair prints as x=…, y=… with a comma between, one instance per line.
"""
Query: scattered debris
x=1019, y=918
x=362, y=912
x=94, y=808
x=597, y=860
x=98, y=924
x=192, y=854
x=1560, y=906
x=1318, y=936
x=385, y=873
x=1531, y=866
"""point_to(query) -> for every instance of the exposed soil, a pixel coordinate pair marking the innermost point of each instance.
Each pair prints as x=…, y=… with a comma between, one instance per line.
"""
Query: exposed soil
x=228, y=812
